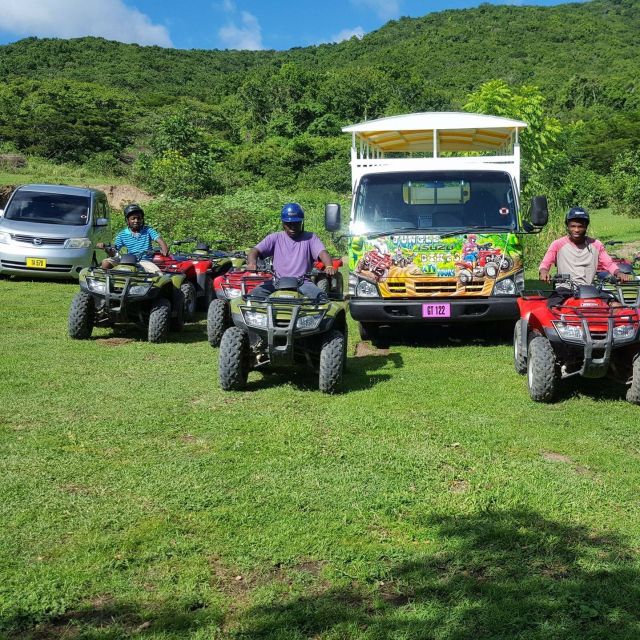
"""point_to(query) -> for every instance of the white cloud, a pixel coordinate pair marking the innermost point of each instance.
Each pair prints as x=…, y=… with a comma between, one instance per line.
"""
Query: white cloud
x=347, y=34
x=110, y=19
x=386, y=9
x=246, y=36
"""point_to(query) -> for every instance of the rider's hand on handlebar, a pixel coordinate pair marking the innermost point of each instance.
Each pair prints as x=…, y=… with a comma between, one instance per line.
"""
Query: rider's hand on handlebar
x=544, y=275
x=330, y=271
x=623, y=277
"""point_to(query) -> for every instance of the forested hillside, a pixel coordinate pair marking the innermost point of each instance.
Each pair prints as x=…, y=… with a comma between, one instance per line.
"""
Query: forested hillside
x=195, y=123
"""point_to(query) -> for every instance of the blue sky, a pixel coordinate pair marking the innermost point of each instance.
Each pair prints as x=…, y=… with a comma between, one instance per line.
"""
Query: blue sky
x=212, y=24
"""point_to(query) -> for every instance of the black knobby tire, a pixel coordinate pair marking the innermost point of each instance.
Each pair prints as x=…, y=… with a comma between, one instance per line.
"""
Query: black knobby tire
x=81, y=315
x=205, y=300
x=332, y=356
x=633, y=392
x=233, y=359
x=218, y=321
x=369, y=330
x=519, y=357
x=541, y=370
x=189, y=293
x=159, y=321
x=324, y=284
x=177, y=311
x=338, y=284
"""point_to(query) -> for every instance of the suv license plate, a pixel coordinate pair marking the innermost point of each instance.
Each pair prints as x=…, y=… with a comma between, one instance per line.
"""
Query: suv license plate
x=36, y=263
x=436, y=310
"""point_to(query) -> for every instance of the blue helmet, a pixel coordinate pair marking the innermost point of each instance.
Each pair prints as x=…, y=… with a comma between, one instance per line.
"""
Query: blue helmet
x=292, y=212
x=577, y=213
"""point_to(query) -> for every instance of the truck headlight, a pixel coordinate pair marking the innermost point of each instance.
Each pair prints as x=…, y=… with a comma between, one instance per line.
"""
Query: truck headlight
x=624, y=332
x=77, y=243
x=255, y=319
x=569, y=331
x=308, y=322
x=506, y=287
x=5, y=238
x=139, y=289
x=353, y=283
x=366, y=289
x=519, y=280
x=97, y=286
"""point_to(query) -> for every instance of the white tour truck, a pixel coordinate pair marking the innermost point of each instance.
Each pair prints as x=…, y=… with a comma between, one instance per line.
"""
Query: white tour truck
x=435, y=224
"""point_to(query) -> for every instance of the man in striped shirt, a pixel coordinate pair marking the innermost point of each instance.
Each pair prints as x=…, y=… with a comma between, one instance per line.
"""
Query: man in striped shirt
x=138, y=239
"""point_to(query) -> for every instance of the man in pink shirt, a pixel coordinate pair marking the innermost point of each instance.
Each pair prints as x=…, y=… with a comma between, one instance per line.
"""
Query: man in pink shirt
x=294, y=251
x=578, y=255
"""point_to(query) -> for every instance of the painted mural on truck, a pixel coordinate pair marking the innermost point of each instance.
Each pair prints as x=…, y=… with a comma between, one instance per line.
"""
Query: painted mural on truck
x=418, y=265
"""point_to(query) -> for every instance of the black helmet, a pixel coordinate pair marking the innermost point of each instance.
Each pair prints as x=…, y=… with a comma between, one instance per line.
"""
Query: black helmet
x=576, y=213
x=132, y=208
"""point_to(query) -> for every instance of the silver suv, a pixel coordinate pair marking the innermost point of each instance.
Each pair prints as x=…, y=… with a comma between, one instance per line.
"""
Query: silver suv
x=51, y=230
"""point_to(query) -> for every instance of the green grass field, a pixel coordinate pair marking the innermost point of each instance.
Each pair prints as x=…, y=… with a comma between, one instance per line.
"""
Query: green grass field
x=432, y=499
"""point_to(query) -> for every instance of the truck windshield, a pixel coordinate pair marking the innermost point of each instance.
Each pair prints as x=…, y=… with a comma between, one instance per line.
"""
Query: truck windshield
x=51, y=208
x=435, y=201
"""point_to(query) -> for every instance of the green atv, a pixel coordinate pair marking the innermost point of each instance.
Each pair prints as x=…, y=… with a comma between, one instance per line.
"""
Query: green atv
x=282, y=330
x=127, y=293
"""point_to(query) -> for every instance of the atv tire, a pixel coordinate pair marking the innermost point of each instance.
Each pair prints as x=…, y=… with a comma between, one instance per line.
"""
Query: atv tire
x=324, y=284
x=338, y=284
x=159, y=321
x=81, y=314
x=177, y=311
x=189, y=293
x=205, y=300
x=519, y=358
x=332, y=355
x=541, y=370
x=218, y=321
x=233, y=359
x=633, y=392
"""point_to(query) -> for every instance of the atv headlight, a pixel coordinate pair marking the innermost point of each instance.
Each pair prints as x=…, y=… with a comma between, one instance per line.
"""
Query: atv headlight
x=139, y=289
x=366, y=289
x=569, y=331
x=308, y=322
x=506, y=287
x=77, y=243
x=97, y=286
x=624, y=332
x=255, y=319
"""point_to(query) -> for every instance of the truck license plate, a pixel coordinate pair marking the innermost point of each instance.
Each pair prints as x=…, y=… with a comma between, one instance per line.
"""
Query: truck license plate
x=36, y=263
x=436, y=310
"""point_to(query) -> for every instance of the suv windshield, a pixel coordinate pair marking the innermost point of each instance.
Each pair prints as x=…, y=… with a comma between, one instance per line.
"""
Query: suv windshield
x=435, y=202
x=52, y=208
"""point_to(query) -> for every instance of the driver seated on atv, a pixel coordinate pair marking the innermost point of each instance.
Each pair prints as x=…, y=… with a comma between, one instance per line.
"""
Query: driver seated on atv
x=578, y=256
x=138, y=239
x=294, y=251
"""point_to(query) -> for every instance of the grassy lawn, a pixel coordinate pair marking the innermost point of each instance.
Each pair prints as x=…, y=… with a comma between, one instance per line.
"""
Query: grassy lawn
x=606, y=226
x=432, y=499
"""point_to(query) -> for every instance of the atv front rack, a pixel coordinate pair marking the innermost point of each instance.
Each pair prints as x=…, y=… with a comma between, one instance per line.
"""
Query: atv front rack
x=117, y=285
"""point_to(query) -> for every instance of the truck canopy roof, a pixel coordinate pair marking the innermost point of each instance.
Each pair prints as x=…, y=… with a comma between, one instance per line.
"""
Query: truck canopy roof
x=437, y=131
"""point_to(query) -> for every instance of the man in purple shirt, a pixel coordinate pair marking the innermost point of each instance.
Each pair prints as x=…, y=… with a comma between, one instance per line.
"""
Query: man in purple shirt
x=294, y=251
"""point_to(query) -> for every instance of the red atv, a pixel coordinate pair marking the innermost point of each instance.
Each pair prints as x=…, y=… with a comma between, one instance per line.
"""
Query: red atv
x=578, y=330
x=200, y=267
x=377, y=263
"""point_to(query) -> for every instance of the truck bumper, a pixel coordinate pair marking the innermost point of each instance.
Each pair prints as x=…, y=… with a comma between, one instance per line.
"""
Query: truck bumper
x=384, y=311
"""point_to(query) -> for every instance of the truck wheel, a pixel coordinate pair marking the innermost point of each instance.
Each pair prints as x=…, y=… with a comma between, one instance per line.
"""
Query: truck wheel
x=218, y=320
x=368, y=330
x=233, y=359
x=633, y=392
x=541, y=370
x=519, y=358
x=81, y=313
x=159, y=321
x=332, y=356
x=205, y=300
x=189, y=293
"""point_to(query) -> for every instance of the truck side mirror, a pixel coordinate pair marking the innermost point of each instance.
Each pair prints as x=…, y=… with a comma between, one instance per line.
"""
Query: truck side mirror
x=332, y=217
x=101, y=222
x=539, y=211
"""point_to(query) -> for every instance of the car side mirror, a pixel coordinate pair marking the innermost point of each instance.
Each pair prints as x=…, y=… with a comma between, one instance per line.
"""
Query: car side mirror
x=101, y=222
x=332, y=217
x=539, y=211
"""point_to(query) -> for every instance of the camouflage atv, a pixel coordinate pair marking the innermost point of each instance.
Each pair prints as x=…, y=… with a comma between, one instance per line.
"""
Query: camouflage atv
x=127, y=293
x=283, y=330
